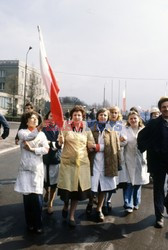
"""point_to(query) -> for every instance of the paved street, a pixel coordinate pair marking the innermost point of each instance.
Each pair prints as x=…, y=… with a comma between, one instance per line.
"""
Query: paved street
x=134, y=231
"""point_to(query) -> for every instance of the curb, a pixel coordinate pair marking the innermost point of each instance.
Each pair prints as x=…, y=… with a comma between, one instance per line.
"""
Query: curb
x=8, y=149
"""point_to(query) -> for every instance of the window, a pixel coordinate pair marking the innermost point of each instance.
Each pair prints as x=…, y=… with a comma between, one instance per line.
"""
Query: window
x=5, y=102
x=2, y=85
x=2, y=73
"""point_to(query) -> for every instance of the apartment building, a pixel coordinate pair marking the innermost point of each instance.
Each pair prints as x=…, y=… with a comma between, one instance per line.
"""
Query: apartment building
x=12, y=85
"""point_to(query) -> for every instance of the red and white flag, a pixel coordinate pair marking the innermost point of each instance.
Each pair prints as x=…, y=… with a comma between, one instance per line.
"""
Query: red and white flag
x=50, y=83
x=124, y=102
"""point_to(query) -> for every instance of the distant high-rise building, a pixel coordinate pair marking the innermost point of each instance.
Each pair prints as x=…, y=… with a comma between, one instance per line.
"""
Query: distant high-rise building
x=12, y=82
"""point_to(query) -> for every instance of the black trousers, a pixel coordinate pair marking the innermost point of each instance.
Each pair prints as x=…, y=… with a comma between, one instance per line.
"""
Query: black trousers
x=158, y=192
x=33, y=204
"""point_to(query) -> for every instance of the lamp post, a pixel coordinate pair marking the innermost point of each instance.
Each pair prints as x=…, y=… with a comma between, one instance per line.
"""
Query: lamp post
x=24, y=97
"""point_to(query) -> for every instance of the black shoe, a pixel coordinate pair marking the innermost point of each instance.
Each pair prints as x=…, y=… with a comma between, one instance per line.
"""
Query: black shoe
x=72, y=223
x=99, y=216
x=159, y=223
x=89, y=209
x=105, y=210
x=64, y=213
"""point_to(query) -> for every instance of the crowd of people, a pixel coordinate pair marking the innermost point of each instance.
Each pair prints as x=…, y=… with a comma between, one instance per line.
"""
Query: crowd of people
x=90, y=161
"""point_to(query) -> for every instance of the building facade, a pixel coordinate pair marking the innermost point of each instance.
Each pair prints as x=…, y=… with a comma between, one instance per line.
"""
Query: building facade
x=12, y=86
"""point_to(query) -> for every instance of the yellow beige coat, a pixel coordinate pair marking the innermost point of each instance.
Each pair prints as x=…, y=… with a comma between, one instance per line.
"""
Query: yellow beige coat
x=75, y=164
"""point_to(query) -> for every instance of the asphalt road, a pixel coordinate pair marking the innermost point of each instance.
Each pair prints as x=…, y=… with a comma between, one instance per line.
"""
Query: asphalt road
x=118, y=232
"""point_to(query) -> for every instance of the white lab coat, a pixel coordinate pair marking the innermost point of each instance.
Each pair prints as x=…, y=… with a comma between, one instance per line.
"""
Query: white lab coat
x=135, y=163
x=106, y=183
x=30, y=177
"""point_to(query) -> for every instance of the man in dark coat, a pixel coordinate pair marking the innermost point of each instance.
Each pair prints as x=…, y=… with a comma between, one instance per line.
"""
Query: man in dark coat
x=154, y=138
x=5, y=125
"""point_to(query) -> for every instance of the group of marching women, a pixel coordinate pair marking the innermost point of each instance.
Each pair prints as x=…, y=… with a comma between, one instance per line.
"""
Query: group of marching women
x=81, y=161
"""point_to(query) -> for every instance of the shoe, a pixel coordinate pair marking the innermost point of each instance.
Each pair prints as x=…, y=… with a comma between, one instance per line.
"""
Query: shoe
x=129, y=210
x=64, y=213
x=50, y=210
x=89, y=209
x=105, y=210
x=136, y=207
x=72, y=223
x=99, y=216
x=159, y=223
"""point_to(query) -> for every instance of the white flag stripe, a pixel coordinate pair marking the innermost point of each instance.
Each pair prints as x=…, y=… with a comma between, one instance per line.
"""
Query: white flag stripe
x=44, y=65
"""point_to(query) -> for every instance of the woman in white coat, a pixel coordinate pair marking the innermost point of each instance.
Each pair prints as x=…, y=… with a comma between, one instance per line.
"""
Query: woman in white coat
x=30, y=179
x=104, y=159
x=135, y=164
x=115, y=122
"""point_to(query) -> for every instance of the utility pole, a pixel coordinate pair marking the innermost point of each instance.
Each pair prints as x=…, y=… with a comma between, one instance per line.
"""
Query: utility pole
x=166, y=88
x=111, y=92
x=24, y=97
x=119, y=94
x=104, y=96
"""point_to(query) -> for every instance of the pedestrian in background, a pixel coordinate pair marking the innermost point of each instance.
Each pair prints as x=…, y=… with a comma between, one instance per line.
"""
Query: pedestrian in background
x=67, y=115
x=30, y=179
x=5, y=125
x=154, y=113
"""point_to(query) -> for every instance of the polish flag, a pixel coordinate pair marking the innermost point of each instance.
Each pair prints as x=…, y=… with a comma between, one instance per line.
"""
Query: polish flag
x=124, y=102
x=50, y=83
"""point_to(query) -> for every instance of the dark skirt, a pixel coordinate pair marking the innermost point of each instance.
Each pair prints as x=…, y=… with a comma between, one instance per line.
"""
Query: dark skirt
x=47, y=182
x=79, y=195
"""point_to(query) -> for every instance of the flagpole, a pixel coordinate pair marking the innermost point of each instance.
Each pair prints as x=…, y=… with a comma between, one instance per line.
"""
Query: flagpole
x=119, y=94
x=104, y=96
x=166, y=88
x=125, y=96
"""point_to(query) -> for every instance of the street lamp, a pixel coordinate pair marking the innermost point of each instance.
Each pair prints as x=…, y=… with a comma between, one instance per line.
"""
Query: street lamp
x=24, y=98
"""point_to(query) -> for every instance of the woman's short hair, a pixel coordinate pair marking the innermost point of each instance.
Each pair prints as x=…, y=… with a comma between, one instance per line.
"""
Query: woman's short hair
x=76, y=109
x=27, y=116
x=102, y=110
x=137, y=114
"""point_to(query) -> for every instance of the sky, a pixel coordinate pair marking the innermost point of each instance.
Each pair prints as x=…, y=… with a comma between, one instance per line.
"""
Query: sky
x=94, y=45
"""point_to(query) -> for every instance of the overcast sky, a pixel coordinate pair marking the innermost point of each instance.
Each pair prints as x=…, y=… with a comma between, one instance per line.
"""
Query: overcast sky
x=93, y=43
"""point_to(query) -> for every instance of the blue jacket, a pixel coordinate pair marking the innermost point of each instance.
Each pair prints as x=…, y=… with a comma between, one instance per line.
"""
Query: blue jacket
x=5, y=125
x=54, y=154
